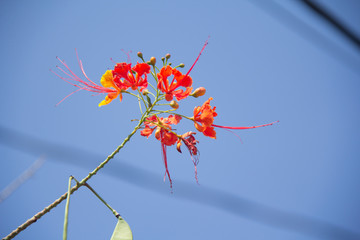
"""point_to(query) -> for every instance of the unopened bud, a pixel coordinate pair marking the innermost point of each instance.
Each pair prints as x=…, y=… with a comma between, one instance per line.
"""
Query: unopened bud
x=152, y=61
x=168, y=56
x=181, y=65
x=198, y=92
x=162, y=59
x=157, y=133
x=178, y=145
x=140, y=55
x=148, y=62
x=174, y=104
x=145, y=92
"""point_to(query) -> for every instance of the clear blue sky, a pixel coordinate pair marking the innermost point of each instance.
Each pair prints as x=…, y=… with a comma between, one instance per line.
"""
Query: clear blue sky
x=260, y=66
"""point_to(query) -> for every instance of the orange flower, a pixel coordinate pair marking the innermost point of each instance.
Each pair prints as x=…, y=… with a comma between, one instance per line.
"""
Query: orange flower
x=204, y=118
x=179, y=80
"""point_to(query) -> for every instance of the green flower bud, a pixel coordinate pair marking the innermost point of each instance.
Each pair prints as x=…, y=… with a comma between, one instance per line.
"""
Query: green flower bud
x=152, y=61
x=174, y=104
x=198, y=92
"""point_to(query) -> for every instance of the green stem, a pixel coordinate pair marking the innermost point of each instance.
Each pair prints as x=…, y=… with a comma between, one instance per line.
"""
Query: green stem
x=162, y=104
x=153, y=88
x=66, y=217
x=131, y=94
x=140, y=106
x=167, y=111
x=185, y=117
x=142, y=98
x=117, y=215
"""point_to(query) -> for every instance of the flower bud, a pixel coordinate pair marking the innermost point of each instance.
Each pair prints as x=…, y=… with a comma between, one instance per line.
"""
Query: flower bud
x=181, y=65
x=140, y=55
x=157, y=133
x=152, y=61
x=168, y=56
x=162, y=59
x=178, y=145
x=198, y=92
x=145, y=92
x=174, y=104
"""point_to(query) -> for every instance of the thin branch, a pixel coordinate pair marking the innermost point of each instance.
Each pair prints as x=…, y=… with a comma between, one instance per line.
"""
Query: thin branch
x=73, y=189
x=117, y=215
x=82, y=182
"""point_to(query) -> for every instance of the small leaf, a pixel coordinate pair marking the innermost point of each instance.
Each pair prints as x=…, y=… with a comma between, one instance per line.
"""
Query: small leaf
x=149, y=101
x=122, y=231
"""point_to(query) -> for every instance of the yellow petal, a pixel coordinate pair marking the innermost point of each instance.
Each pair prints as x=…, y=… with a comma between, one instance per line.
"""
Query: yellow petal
x=102, y=103
x=107, y=79
x=199, y=127
x=108, y=99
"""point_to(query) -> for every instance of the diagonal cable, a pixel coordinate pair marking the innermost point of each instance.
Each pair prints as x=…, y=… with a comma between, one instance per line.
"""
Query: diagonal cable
x=309, y=33
x=333, y=21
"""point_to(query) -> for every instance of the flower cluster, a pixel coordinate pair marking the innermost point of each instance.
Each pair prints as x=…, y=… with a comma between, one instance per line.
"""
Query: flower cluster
x=169, y=84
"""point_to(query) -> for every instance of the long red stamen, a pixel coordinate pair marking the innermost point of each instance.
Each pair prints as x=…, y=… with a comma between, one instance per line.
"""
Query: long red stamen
x=127, y=54
x=206, y=43
x=67, y=96
x=242, y=128
x=82, y=68
x=163, y=153
x=76, y=81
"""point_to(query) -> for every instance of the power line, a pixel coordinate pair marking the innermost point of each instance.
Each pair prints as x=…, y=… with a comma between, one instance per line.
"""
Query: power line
x=309, y=33
x=332, y=20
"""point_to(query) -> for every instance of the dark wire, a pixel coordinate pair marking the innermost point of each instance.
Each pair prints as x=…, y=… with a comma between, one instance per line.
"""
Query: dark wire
x=331, y=19
x=309, y=33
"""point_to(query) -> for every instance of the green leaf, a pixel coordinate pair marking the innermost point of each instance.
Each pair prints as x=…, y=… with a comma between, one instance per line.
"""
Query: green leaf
x=122, y=231
x=149, y=101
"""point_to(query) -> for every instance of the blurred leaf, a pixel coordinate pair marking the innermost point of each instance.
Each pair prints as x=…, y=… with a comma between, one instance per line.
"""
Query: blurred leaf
x=149, y=101
x=122, y=231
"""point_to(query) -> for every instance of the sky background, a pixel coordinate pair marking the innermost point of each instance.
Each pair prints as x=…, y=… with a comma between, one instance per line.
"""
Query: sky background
x=266, y=61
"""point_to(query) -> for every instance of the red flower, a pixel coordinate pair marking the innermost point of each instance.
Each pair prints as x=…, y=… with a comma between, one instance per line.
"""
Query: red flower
x=190, y=142
x=204, y=118
x=124, y=71
x=110, y=81
x=179, y=80
x=163, y=133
